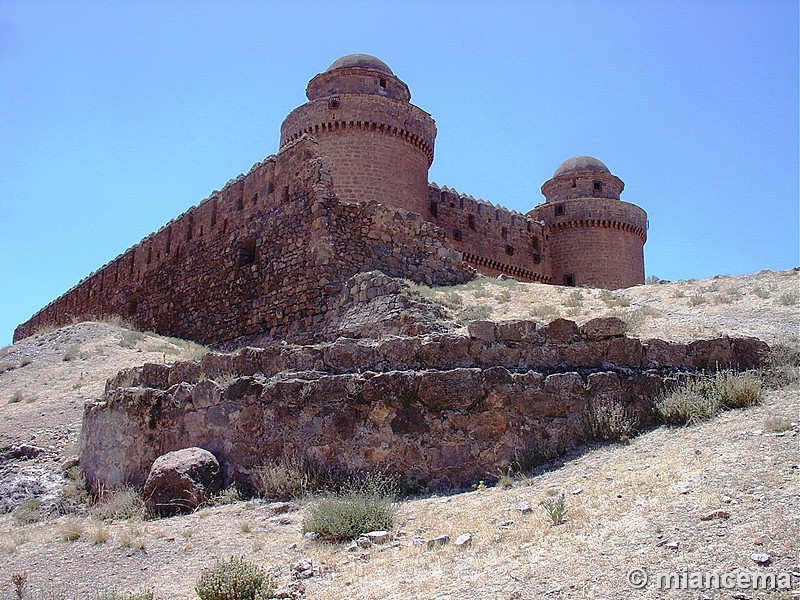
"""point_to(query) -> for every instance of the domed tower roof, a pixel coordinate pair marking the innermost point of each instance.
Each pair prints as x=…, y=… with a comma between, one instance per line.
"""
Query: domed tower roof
x=358, y=74
x=577, y=164
x=366, y=61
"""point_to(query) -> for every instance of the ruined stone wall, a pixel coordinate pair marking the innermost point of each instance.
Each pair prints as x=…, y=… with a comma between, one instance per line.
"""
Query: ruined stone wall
x=258, y=258
x=444, y=409
x=493, y=239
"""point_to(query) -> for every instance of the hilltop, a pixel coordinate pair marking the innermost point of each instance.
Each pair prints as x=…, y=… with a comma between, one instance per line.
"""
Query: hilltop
x=635, y=505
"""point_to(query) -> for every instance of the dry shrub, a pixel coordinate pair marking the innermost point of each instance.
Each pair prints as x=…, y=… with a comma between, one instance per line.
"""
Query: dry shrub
x=610, y=422
x=700, y=398
x=289, y=478
x=120, y=504
x=234, y=579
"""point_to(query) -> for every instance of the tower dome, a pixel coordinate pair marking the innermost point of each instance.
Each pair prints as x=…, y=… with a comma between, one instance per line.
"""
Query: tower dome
x=578, y=164
x=358, y=74
x=366, y=61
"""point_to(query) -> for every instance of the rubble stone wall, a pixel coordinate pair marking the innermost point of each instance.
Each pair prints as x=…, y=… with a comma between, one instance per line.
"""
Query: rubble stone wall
x=442, y=409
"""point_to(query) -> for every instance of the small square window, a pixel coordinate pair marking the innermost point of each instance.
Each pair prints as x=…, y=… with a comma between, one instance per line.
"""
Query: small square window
x=509, y=250
x=598, y=186
x=569, y=280
x=382, y=83
x=471, y=222
x=333, y=103
x=456, y=234
x=559, y=209
x=245, y=253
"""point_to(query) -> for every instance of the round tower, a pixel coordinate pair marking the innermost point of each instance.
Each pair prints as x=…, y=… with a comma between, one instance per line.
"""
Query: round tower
x=380, y=144
x=594, y=238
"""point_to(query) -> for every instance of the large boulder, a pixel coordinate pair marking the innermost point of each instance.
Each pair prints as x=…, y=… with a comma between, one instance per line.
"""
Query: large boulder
x=182, y=480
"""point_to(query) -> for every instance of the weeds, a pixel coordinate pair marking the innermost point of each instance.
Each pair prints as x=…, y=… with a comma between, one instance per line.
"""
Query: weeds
x=99, y=535
x=362, y=506
x=609, y=422
x=120, y=504
x=71, y=530
x=19, y=579
x=761, y=292
x=16, y=397
x=700, y=398
x=234, y=579
x=544, y=311
x=556, y=508
x=289, y=478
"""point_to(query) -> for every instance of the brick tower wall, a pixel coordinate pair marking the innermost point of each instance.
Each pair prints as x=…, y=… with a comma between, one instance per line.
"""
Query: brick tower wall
x=599, y=242
x=493, y=239
x=381, y=147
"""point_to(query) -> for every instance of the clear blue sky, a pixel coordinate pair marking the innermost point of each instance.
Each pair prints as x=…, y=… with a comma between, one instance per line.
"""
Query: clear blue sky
x=117, y=116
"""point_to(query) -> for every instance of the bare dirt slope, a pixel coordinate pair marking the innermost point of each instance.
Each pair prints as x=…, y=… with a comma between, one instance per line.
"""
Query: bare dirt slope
x=639, y=505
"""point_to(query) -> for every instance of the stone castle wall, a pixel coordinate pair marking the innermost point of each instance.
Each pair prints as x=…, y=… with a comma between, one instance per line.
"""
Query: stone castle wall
x=493, y=239
x=266, y=256
x=443, y=409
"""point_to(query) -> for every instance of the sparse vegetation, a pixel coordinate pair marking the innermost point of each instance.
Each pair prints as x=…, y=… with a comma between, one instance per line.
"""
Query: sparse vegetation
x=574, y=300
x=503, y=297
x=544, y=311
x=71, y=530
x=289, y=478
x=99, y=535
x=777, y=424
x=361, y=506
x=700, y=398
x=17, y=396
x=19, y=579
x=120, y=504
x=697, y=299
x=71, y=353
x=234, y=579
x=30, y=511
x=761, y=292
x=227, y=496
x=610, y=422
x=789, y=299
x=556, y=508
x=129, y=338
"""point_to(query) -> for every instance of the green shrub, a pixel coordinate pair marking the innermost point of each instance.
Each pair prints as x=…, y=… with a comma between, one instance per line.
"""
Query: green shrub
x=71, y=530
x=789, y=299
x=556, y=508
x=360, y=507
x=697, y=299
x=234, y=579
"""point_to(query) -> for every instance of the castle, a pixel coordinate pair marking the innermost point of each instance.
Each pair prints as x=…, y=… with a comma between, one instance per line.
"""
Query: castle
x=270, y=255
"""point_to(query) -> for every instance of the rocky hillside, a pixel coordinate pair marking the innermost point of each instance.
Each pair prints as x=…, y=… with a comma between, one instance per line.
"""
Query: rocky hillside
x=709, y=497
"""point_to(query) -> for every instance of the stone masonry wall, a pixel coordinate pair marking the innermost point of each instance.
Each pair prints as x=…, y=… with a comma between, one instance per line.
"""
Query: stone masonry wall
x=443, y=409
x=491, y=238
x=260, y=257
